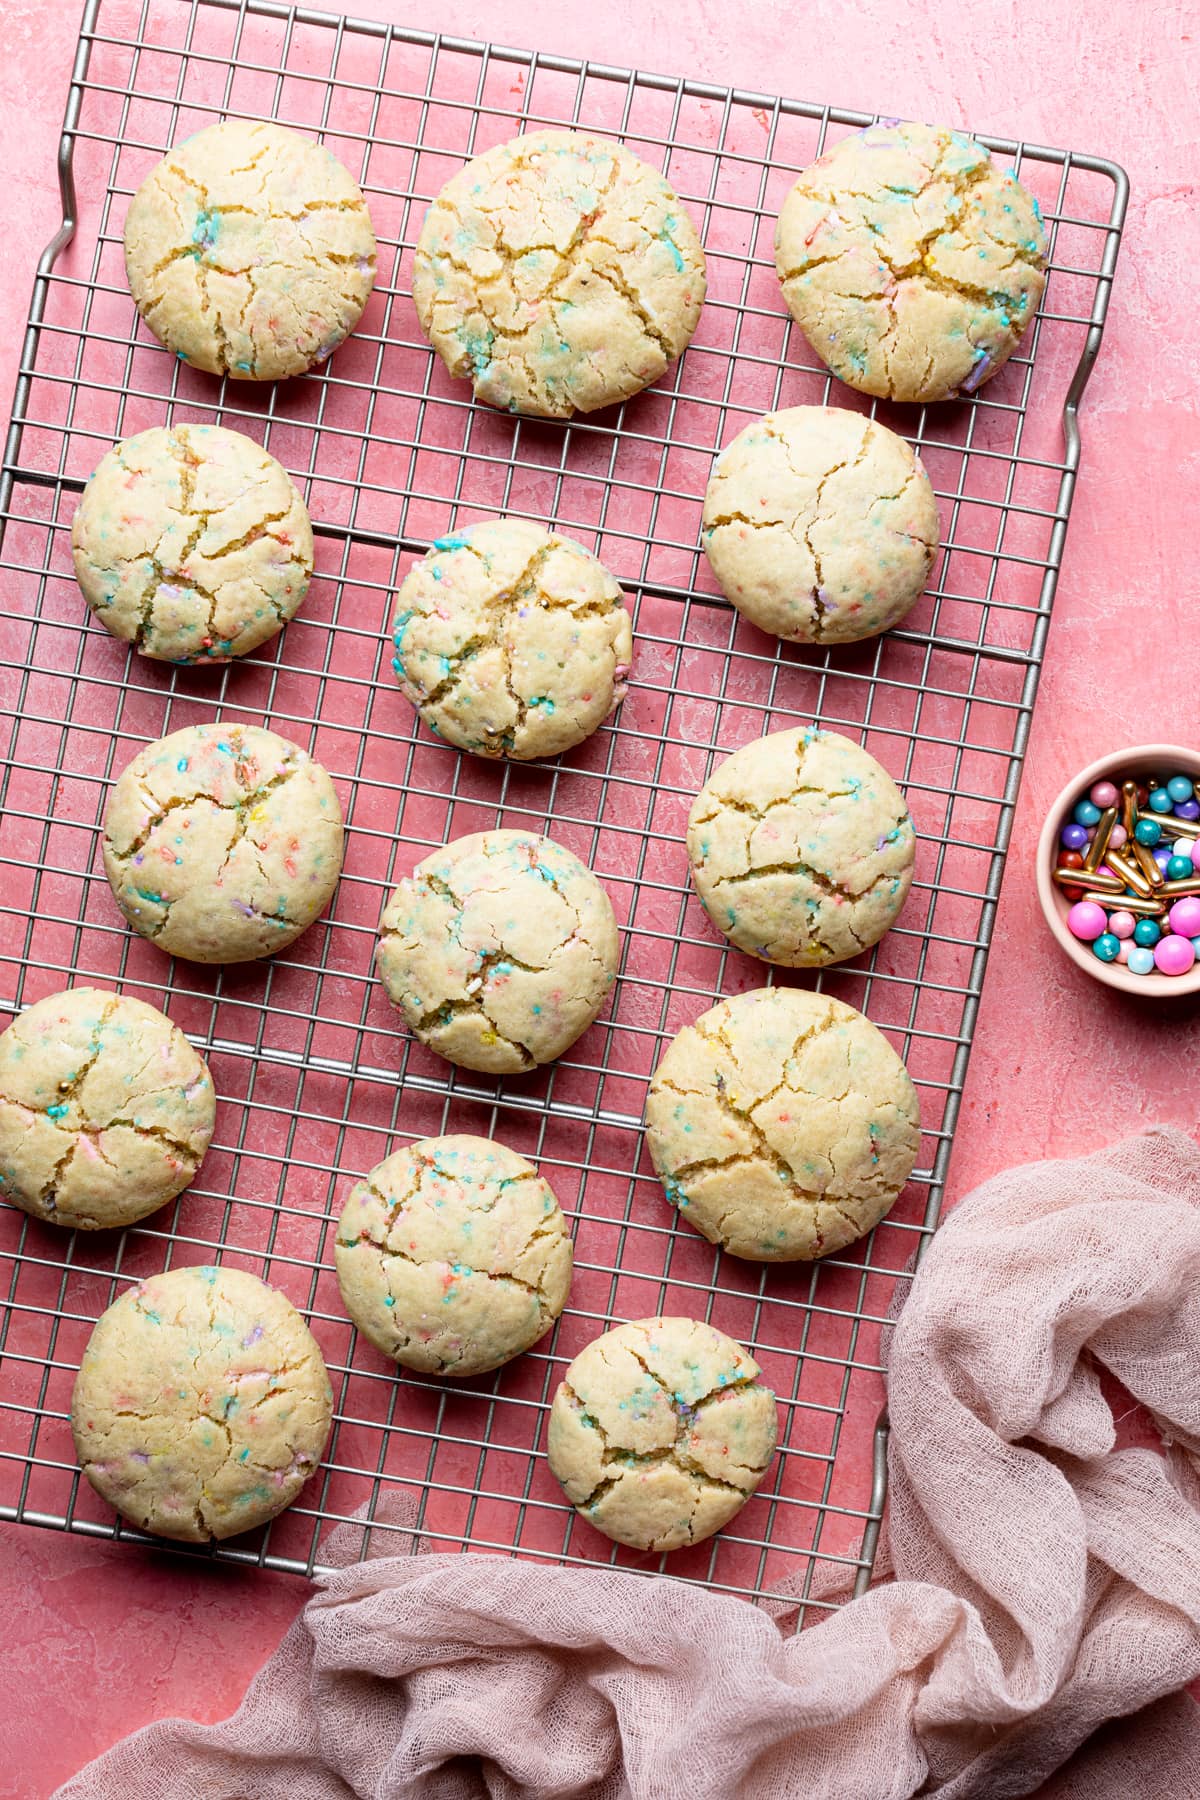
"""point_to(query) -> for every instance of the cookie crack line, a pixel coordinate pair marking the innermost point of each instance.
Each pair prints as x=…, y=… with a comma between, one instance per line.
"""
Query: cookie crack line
x=522, y=591
x=918, y=267
x=292, y=767
x=767, y=1153
x=459, y=1009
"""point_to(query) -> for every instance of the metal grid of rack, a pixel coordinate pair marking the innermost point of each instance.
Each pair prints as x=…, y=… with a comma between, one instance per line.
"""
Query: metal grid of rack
x=317, y=1081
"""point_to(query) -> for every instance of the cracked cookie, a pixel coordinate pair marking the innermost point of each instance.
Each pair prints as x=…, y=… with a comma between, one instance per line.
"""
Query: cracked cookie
x=453, y=1256
x=191, y=544
x=559, y=273
x=820, y=525
x=801, y=848
x=661, y=1431
x=511, y=640
x=249, y=251
x=222, y=843
x=105, y=1110
x=498, y=950
x=202, y=1404
x=910, y=262
x=782, y=1124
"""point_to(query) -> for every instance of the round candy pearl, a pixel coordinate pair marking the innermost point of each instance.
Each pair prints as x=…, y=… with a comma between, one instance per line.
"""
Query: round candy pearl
x=1148, y=832
x=1178, y=868
x=1180, y=788
x=1104, y=794
x=1073, y=837
x=1196, y=854
x=1185, y=916
x=1107, y=947
x=1183, y=847
x=1119, y=836
x=1123, y=952
x=1161, y=855
x=1121, y=924
x=1140, y=961
x=1086, y=920
x=1173, y=955
x=1160, y=801
x=1086, y=814
x=1187, y=809
x=1146, y=933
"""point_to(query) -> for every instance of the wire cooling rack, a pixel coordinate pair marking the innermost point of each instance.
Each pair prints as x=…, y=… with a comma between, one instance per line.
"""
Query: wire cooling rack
x=317, y=1081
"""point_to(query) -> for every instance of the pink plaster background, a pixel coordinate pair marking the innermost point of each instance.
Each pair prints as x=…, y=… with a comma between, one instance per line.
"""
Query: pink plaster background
x=96, y=1640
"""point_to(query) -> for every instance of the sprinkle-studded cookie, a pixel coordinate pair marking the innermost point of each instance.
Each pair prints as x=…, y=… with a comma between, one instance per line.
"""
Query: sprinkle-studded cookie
x=498, y=950
x=105, y=1110
x=782, y=1124
x=202, y=1404
x=801, y=848
x=559, y=273
x=249, y=251
x=911, y=263
x=222, y=842
x=453, y=1256
x=511, y=640
x=660, y=1432
x=191, y=543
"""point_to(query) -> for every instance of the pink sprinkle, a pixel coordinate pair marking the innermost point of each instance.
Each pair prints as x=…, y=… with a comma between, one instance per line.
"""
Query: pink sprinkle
x=1173, y=955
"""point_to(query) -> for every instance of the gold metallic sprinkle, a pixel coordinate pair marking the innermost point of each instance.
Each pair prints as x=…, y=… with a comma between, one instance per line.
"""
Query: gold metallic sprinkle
x=1188, y=884
x=1093, y=856
x=1145, y=909
x=1129, y=805
x=1083, y=878
x=1129, y=873
x=1145, y=863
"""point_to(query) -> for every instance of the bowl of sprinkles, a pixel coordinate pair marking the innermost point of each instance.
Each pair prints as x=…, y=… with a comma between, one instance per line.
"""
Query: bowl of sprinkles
x=1118, y=870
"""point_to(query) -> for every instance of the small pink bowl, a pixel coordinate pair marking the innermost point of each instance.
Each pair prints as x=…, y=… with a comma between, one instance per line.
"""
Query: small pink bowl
x=1158, y=759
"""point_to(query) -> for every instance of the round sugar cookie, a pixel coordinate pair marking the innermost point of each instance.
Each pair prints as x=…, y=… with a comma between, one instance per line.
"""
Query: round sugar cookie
x=222, y=843
x=498, y=950
x=511, y=640
x=912, y=264
x=191, y=544
x=782, y=1124
x=202, y=1404
x=249, y=251
x=661, y=1431
x=106, y=1111
x=801, y=848
x=453, y=1256
x=559, y=273
x=820, y=525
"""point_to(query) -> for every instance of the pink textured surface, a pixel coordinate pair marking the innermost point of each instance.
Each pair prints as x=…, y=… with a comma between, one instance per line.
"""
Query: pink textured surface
x=97, y=1640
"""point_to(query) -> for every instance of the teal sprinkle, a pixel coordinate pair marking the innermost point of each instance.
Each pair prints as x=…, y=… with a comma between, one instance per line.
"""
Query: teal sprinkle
x=57, y=1112
x=204, y=231
x=458, y=540
x=154, y=1318
x=182, y=764
x=401, y=626
x=244, y=1455
x=149, y=894
x=389, y=1300
x=669, y=225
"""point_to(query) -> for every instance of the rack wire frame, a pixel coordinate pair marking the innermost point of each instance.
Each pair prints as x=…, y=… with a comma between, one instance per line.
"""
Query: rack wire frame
x=317, y=1081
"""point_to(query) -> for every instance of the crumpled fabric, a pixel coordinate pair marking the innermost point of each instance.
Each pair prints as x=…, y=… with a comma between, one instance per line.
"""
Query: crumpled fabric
x=1044, y=1615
